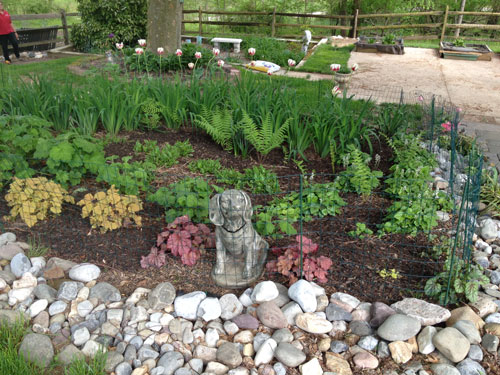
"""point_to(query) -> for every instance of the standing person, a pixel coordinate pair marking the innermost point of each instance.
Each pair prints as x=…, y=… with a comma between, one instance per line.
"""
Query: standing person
x=7, y=34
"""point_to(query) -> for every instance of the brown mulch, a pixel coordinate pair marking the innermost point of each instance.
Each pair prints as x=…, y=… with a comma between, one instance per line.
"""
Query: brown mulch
x=356, y=262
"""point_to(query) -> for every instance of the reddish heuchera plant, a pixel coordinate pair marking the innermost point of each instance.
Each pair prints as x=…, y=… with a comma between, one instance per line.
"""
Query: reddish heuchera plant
x=182, y=238
x=288, y=263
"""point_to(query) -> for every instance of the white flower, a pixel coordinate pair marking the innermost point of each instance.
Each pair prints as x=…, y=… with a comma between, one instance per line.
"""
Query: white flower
x=336, y=91
x=335, y=67
x=291, y=62
x=142, y=42
x=119, y=45
x=178, y=52
x=220, y=63
x=160, y=50
x=216, y=51
x=251, y=51
x=197, y=55
x=191, y=65
x=139, y=51
x=269, y=73
x=354, y=67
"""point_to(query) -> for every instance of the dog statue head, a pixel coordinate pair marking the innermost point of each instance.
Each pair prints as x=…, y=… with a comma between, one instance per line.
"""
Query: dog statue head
x=231, y=205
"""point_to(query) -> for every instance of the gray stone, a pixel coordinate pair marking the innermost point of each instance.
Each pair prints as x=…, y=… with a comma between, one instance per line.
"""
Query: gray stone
x=383, y=350
x=492, y=318
x=231, y=328
x=181, y=371
x=338, y=347
x=8, y=251
x=495, y=277
x=360, y=328
x=113, y=359
x=335, y=312
x=280, y=369
x=123, y=368
x=470, y=367
x=186, y=306
x=452, y=344
x=69, y=290
x=8, y=276
x=368, y=343
x=161, y=296
x=475, y=353
x=303, y=293
x=57, y=307
x=209, y=309
x=37, y=348
x=424, y=340
x=483, y=262
x=399, y=327
x=246, y=321
x=92, y=347
x=130, y=353
x=84, y=272
x=490, y=343
x=426, y=313
x=229, y=354
x=137, y=341
x=266, y=352
x=20, y=264
x=271, y=316
x=66, y=265
x=444, y=369
x=289, y=355
x=69, y=354
x=146, y=352
x=282, y=335
x=196, y=365
x=105, y=293
x=282, y=298
x=44, y=291
x=171, y=361
x=291, y=310
x=469, y=330
x=259, y=339
x=81, y=336
x=138, y=314
x=230, y=306
x=37, y=307
x=489, y=229
x=7, y=237
x=353, y=302
x=84, y=308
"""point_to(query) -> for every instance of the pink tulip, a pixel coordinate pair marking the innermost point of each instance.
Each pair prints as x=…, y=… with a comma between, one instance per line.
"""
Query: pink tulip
x=446, y=126
x=191, y=65
x=160, y=50
x=291, y=62
x=459, y=109
x=354, y=67
x=142, y=42
x=335, y=67
x=216, y=51
x=178, y=52
x=220, y=63
x=139, y=51
x=119, y=46
x=251, y=51
x=197, y=55
x=420, y=98
x=336, y=91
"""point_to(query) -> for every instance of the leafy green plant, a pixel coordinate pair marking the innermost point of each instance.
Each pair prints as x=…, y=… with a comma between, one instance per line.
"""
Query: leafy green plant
x=230, y=176
x=70, y=156
x=259, y=180
x=128, y=178
x=389, y=39
x=358, y=177
x=182, y=238
x=205, y=166
x=392, y=119
x=490, y=190
x=459, y=42
x=151, y=111
x=167, y=155
x=110, y=210
x=36, y=248
x=392, y=273
x=34, y=198
x=172, y=101
x=361, y=230
x=189, y=196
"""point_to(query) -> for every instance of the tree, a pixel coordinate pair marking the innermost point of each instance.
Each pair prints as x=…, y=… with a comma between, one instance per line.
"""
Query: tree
x=460, y=18
x=164, y=25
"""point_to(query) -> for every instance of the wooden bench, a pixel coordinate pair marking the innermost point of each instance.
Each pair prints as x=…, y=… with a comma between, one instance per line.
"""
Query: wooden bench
x=236, y=43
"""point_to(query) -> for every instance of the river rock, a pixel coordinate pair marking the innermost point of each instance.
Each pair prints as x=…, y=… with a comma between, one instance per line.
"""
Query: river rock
x=84, y=272
x=264, y=291
x=368, y=343
x=8, y=251
x=475, y=353
x=289, y=355
x=171, y=361
x=311, y=368
x=303, y=293
x=426, y=313
x=81, y=336
x=271, y=316
x=186, y=306
x=26, y=281
x=489, y=229
x=444, y=369
x=492, y=328
x=490, y=343
x=230, y=306
x=452, y=344
x=20, y=264
x=161, y=296
x=470, y=367
x=37, y=348
x=365, y=360
x=337, y=364
x=209, y=309
x=313, y=323
x=424, y=340
x=464, y=313
x=335, y=312
x=44, y=291
x=265, y=353
x=400, y=351
x=105, y=293
x=353, y=302
x=282, y=298
x=399, y=327
x=283, y=335
x=469, y=330
x=7, y=237
x=246, y=321
x=69, y=354
x=37, y=307
x=290, y=310
x=229, y=355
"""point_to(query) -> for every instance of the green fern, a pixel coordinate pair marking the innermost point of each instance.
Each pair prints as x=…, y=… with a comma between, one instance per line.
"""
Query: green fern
x=358, y=177
x=218, y=124
x=267, y=137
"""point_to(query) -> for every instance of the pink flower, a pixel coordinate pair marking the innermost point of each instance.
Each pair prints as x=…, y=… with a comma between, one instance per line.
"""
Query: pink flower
x=446, y=126
x=216, y=51
x=335, y=67
x=420, y=98
x=160, y=50
x=197, y=55
x=291, y=62
x=119, y=45
x=191, y=65
x=269, y=73
x=354, y=67
x=178, y=52
x=336, y=91
x=220, y=63
x=251, y=51
x=139, y=51
x=459, y=109
x=142, y=42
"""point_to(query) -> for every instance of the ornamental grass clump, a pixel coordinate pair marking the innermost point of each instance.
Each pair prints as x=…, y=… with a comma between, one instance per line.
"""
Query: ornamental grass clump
x=34, y=198
x=110, y=210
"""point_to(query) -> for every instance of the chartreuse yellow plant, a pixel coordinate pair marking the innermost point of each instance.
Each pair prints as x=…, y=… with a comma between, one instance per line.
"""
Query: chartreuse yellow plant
x=108, y=210
x=33, y=199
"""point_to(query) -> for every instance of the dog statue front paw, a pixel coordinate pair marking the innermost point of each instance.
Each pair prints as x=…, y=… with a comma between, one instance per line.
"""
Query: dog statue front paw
x=219, y=269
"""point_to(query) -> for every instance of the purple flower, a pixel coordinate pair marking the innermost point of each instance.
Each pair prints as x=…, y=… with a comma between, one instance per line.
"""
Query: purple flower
x=111, y=35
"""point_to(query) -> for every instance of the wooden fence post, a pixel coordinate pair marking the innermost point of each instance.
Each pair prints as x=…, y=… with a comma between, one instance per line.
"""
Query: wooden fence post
x=65, y=27
x=200, y=21
x=355, y=27
x=445, y=20
x=273, y=23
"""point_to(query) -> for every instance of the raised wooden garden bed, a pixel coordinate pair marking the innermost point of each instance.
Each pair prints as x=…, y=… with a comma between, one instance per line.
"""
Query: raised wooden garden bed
x=470, y=52
x=366, y=45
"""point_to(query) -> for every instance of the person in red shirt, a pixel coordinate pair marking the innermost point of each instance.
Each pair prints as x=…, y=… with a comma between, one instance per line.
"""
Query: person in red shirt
x=7, y=34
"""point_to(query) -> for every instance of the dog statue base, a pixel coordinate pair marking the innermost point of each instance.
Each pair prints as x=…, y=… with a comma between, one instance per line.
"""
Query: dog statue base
x=232, y=277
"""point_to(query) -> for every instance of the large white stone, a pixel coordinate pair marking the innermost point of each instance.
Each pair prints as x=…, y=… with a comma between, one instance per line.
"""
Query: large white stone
x=26, y=281
x=313, y=323
x=346, y=298
x=265, y=291
x=19, y=295
x=426, y=313
x=209, y=309
x=303, y=293
x=84, y=272
x=311, y=368
x=57, y=307
x=186, y=306
x=37, y=307
x=92, y=347
x=266, y=352
x=230, y=306
x=20, y=264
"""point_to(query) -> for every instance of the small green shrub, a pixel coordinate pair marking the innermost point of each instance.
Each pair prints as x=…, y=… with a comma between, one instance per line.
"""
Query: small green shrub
x=128, y=178
x=205, y=166
x=259, y=180
x=151, y=111
x=361, y=230
x=167, y=155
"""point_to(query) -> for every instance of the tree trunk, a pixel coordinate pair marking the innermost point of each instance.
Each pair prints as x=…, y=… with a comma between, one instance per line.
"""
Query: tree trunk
x=164, y=25
x=460, y=18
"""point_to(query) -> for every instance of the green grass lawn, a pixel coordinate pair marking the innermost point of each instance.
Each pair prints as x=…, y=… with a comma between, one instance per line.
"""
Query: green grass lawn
x=320, y=60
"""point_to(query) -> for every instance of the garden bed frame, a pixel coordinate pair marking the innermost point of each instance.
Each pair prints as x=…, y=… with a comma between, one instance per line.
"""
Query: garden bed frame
x=378, y=47
x=473, y=52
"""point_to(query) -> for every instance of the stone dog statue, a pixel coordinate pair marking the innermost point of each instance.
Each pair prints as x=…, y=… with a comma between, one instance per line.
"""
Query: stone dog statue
x=241, y=252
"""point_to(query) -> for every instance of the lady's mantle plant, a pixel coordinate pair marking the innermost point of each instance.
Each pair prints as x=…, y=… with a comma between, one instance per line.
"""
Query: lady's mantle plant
x=182, y=238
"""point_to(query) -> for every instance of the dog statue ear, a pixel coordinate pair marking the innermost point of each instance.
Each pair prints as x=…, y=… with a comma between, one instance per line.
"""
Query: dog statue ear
x=248, y=211
x=214, y=211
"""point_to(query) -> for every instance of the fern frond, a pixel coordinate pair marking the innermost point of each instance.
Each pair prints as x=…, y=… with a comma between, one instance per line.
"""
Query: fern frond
x=218, y=124
x=268, y=136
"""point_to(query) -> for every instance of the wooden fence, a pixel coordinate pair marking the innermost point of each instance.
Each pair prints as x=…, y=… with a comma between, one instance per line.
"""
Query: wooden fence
x=62, y=15
x=348, y=24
